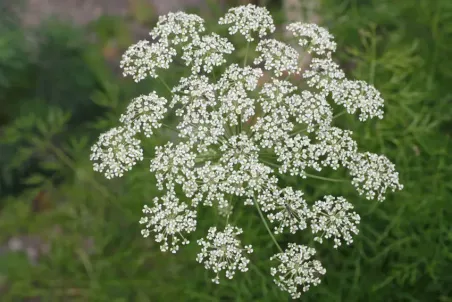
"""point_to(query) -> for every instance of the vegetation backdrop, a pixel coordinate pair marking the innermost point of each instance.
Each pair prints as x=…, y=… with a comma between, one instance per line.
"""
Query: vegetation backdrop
x=68, y=234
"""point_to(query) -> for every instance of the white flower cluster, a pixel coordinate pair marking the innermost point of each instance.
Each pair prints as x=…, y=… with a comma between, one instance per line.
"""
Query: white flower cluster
x=277, y=56
x=241, y=129
x=145, y=113
x=222, y=251
x=317, y=39
x=296, y=269
x=169, y=218
x=206, y=52
x=142, y=59
x=116, y=152
x=330, y=217
x=248, y=20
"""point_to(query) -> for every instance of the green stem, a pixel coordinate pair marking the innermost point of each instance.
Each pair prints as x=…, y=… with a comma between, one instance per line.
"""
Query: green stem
x=324, y=178
x=240, y=124
x=246, y=54
x=166, y=85
x=339, y=114
x=270, y=164
x=171, y=128
x=266, y=225
x=304, y=129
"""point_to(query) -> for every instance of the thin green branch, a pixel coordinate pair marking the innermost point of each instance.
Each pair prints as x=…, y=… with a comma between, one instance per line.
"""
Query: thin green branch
x=324, y=178
x=266, y=225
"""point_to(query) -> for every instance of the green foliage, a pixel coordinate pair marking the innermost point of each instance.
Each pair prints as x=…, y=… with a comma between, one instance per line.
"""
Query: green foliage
x=403, y=251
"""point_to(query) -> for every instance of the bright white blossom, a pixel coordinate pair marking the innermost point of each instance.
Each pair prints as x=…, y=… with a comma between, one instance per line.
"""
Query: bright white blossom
x=206, y=52
x=354, y=95
x=142, y=60
x=277, y=56
x=332, y=218
x=177, y=28
x=335, y=147
x=169, y=219
x=145, y=113
x=317, y=39
x=172, y=164
x=240, y=132
x=296, y=270
x=248, y=20
x=373, y=174
x=116, y=152
x=222, y=251
x=288, y=211
x=324, y=74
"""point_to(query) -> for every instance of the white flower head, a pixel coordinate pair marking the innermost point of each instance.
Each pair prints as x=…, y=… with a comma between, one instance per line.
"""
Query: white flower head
x=233, y=89
x=200, y=123
x=177, y=28
x=239, y=129
x=373, y=174
x=116, y=152
x=211, y=178
x=169, y=219
x=274, y=94
x=288, y=211
x=332, y=218
x=143, y=59
x=335, y=147
x=206, y=52
x=145, y=113
x=354, y=95
x=248, y=20
x=172, y=164
x=296, y=270
x=324, y=74
x=296, y=154
x=277, y=56
x=317, y=39
x=222, y=251
x=310, y=109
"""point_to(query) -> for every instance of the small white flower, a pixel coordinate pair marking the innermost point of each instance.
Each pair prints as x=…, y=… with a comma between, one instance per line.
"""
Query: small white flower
x=233, y=88
x=206, y=52
x=277, y=56
x=245, y=174
x=274, y=93
x=273, y=128
x=234, y=77
x=172, y=164
x=296, y=269
x=297, y=153
x=317, y=39
x=288, y=211
x=201, y=123
x=177, y=28
x=169, y=219
x=335, y=147
x=310, y=109
x=145, y=113
x=373, y=174
x=354, y=95
x=222, y=251
x=324, y=74
x=142, y=60
x=116, y=152
x=211, y=178
x=247, y=20
x=332, y=218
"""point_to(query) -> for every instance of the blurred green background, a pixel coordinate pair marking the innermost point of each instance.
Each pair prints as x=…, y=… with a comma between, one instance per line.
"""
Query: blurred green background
x=68, y=234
